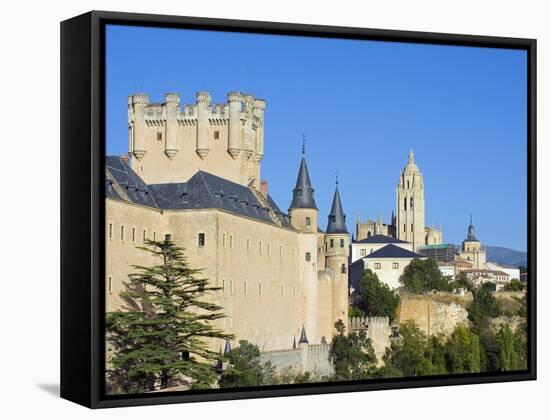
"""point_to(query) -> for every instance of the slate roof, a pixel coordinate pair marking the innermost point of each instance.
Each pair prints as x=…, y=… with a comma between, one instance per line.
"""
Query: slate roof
x=393, y=251
x=336, y=218
x=380, y=239
x=302, y=195
x=202, y=191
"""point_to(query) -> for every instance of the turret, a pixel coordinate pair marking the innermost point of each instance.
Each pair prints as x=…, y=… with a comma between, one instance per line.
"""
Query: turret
x=235, y=143
x=172, y=101
x=303, y=210
x=136, y=121
x=203, y=131
x=337, y=257
x=258, y=111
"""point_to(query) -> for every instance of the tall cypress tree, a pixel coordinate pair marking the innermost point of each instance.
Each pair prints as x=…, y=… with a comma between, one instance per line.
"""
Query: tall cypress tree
x=161, y=334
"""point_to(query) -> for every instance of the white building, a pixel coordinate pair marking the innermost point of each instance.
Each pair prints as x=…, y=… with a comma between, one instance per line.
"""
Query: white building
x=512, y=271
x=364, y=247
x=388, y=263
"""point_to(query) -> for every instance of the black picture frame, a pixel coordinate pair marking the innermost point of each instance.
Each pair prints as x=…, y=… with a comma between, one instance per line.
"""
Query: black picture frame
x=83, y=213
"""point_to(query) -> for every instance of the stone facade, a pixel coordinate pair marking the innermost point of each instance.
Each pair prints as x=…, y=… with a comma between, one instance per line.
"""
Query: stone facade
x=277, y=273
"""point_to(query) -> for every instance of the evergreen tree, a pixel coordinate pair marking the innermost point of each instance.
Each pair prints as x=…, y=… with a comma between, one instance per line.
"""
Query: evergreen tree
x=422, y=276
x=352, y=355
x=375, y=298
x=162, y=332
x=463, y=351
x=245, y=368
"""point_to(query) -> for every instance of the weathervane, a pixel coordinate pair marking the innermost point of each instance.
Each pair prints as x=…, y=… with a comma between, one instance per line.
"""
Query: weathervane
x=303, y=144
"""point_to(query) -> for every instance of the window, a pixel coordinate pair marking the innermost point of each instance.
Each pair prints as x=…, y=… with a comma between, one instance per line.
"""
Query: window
x=231, y=286
x=122, y=233
x=341, y=243
x=395, y=265
x=154, y=236
x=201, y=239
x=407, y=183
x=144, y=235
x=269, y=248
x=404, y=227
x=282, y=289
x=369, y=234
x=133, y=234
x=363, y=252
x=280, y=250
x=308, y=256
x=405, y=203
x=110, y=231
x=411, y=203
x=412, y=227
x=159, y=136
x=377, y=266
x=332, y=243
x=245, y=288
x=168, y=238
x=216, y=135
x=223, y=240
x=260, y=288
x=110, y=285
x=223, y=285
x=343, y=269
x=294, y=291
x=308, y=221
x=261, y=247
x=230, y=241
x=248, y=245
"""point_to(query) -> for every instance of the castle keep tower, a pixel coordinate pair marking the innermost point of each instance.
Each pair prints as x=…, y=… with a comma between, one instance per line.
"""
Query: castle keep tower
x=337, y=258
x=410, y=205
x=169, y=142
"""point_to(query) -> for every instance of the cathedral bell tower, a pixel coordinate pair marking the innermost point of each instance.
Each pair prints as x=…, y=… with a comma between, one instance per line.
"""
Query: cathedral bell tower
x=410, y=205
x=337, y=258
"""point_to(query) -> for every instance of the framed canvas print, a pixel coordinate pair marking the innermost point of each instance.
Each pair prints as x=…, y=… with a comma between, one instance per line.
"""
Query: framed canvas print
x=255, y=209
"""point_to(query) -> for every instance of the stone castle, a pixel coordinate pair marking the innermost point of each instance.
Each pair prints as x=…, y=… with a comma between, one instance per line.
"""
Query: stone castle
x=192, y=176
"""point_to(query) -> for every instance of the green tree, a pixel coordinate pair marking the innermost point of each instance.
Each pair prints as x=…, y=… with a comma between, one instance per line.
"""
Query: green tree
x=352, y=355
x=489, y=286
x=245, y=368
x=422, y=276
x=463, y=351
x=161, y=332
x=437, y=354
x=375, y=298
x=514, y=286
x=462, y=280
x=483, y=307
x=410, y=356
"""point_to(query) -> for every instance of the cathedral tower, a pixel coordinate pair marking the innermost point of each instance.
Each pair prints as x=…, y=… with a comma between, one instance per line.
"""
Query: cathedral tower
x=410, y=205
x=303, y=210
x=337, y=258
x=471, y=248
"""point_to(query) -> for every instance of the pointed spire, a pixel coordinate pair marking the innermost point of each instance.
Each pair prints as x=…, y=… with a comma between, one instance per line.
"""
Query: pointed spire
x=303, y=337
x=471, y=231
x=411, y=156
x=227, y=347
x=337, y=218
x=302, y=195
x=303, y=144
x=294, y=344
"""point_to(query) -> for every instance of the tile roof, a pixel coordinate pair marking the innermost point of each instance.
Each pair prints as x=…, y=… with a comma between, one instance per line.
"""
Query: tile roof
x=202, y=191
x=393, y=251
x=380, y=239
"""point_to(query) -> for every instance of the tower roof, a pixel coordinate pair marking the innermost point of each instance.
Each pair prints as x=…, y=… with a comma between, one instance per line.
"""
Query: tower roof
x=337, y=218
x=411, y=165
x=471, y=232
x=302, y=195
x=303, y=337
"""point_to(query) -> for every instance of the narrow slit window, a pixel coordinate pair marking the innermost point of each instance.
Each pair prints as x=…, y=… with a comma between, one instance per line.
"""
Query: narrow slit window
x=201, y=239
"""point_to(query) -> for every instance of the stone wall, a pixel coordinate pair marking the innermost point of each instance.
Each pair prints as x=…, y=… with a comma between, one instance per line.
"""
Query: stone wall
x=436, y=312
x=378, y=330
x=313, y=358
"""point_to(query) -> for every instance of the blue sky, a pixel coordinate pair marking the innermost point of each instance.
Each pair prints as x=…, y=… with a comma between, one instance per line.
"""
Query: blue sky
x=362, y=105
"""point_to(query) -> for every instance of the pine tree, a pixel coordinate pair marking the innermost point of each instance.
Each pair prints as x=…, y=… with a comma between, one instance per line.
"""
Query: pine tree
x=161, y=334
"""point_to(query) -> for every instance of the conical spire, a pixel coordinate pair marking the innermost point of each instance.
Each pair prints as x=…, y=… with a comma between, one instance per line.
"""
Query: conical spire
x=303, y=337
x=227, y=347
x=302, y=195
x=471, y=231
x=411, y=156
x=337, y=218
x=294, y=347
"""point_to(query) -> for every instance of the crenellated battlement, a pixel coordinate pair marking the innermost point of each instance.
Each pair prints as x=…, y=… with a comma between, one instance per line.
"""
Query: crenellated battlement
x=363, y=323
x=211, y=131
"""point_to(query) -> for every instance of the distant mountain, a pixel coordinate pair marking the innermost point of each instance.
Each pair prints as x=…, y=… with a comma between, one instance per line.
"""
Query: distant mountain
x=502, y=255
